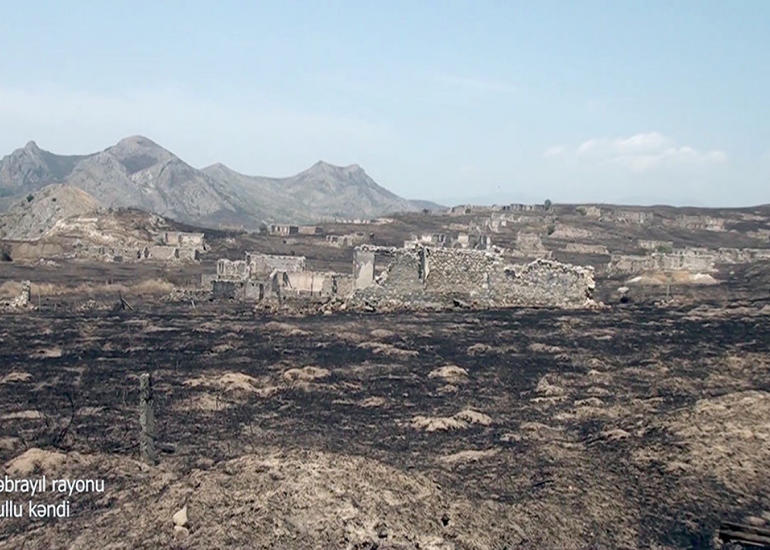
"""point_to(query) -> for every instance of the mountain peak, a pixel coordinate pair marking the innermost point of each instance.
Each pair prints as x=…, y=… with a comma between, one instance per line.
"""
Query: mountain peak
x=32, y=147
x=137, y=141
x=323, y=166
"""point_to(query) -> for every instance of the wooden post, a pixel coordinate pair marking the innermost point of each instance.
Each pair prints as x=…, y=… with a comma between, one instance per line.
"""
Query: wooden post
x=146, y=420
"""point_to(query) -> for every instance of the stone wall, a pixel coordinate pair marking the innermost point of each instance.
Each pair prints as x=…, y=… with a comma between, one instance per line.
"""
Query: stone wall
x=183, y=239
x=656, y=245
x=162, y=252
x=702, y=223
x=309, y=230
x=232, y=269
x=421, y=276
x=530, y=245
x=457, y=270
x=682, y=260
x=344, y=241
x=628, y=216
x=264, y=264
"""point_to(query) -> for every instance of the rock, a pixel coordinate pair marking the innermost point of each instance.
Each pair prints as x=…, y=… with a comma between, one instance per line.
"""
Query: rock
x=180, y=532
x=180, y=518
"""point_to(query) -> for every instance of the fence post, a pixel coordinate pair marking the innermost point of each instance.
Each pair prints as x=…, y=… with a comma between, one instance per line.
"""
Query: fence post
x=146, y=420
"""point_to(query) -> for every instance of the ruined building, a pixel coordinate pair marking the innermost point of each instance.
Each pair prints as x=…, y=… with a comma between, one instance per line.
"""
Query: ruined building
x=428, y=276
x=264, y=276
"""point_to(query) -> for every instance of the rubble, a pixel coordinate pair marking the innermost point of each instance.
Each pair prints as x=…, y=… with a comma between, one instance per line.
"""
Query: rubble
x=21, y=302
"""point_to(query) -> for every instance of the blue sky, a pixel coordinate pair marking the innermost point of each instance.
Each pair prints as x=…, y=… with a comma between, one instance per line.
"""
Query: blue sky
x=636, y=102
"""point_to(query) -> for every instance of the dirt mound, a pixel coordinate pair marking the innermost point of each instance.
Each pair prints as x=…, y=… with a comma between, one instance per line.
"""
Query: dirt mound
x=34, y=460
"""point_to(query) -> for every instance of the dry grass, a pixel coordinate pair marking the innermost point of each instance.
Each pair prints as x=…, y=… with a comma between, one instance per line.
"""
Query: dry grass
x=146, y=287
x=379, y=348
x=34, y=460
x=459, y=421
x=305, y=374
x=468, y=456
x=450, y=373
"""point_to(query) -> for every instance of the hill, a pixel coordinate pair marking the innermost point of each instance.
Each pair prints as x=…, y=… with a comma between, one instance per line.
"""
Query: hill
x=35, y=215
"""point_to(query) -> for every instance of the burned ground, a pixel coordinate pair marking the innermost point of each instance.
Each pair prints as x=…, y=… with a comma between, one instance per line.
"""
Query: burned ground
x=621, y=427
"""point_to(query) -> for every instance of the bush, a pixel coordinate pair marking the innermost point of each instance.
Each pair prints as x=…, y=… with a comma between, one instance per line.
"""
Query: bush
x=30, y=197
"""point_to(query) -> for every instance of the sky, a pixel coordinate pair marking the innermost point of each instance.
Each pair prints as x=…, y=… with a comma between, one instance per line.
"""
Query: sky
x=644, y=102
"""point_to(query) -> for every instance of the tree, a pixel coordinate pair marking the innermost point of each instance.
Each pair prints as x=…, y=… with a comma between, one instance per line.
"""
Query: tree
x=547, y=204
x=30, y=197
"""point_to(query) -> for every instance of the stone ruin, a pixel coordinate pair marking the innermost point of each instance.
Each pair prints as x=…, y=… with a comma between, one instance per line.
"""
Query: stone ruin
x=530, y=245
x=404, y=278
x=694, y=260
x=425, y=276
x=658, y=246
x=623, y=215
x=170, y=246
x=265, y=276
x=346, y=241
x=283, y=229
x=476, y=241
x=697, y=223
x=589, y=211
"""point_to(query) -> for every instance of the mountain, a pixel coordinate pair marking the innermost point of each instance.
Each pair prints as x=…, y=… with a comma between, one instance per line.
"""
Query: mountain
x=323, y=191
x=136, y=172
x=34, y=216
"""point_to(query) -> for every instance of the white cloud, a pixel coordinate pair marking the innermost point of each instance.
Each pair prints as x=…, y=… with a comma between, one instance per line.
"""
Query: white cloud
x=638, y=153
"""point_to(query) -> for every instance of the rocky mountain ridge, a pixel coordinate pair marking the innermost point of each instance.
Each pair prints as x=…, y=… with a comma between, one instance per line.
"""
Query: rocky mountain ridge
x=138, y=173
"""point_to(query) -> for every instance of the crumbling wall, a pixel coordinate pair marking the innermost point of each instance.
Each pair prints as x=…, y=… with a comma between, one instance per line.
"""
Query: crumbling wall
x=162, y=252
x=628, y=216
x=232, y=269
x=702, y=223
x=311, y=282
x=589, y=211
x=183, y=239
x=343, y=241
x=363, y=268
x=279, y=229
x=530, y=245
x=542, y=283
x=309, y=230
x=679, y=260
x=238, y=290
x=457, y=270
x=656, y=245
x=420, y=276
x=263, y=264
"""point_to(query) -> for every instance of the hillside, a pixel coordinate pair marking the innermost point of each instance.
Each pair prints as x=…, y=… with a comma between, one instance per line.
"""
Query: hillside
x=35, y=215
x=138, y=173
